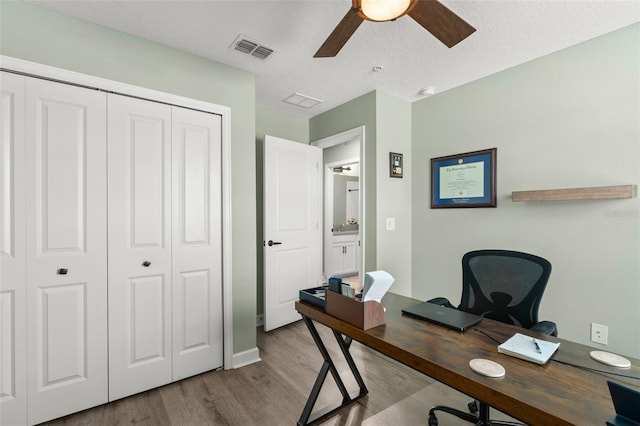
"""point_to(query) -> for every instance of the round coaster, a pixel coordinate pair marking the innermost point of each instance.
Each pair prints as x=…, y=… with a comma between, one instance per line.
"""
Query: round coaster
x=610, y=359
x=486, y=367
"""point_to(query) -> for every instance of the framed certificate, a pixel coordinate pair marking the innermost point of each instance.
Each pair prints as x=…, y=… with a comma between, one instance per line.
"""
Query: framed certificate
x=464, y=180
x=395, y=165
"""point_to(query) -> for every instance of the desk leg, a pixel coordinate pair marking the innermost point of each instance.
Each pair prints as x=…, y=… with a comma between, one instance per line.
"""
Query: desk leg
x=345, y=344
x=328, y=366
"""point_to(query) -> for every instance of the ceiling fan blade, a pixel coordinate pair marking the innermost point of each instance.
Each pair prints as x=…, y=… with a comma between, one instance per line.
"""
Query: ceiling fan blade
x=340, y=35
x=445, y=25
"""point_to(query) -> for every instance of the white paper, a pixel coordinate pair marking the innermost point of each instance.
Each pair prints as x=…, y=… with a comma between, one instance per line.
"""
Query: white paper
x=376, y=284
x=526, y=347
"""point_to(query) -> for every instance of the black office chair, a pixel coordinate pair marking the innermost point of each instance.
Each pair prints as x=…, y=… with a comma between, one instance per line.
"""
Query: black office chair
x=506, y=286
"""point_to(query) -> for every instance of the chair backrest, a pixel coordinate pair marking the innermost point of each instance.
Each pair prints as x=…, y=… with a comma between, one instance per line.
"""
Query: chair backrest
x=504, y=285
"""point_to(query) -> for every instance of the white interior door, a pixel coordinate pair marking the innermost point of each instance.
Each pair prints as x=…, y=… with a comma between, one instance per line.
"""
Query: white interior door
x=66, y=248
x=292, y=231
x=197, y=242
x=139, y=155
x=13, y=289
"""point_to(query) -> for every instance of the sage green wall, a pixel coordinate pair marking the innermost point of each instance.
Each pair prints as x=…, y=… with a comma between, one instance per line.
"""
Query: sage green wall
x=280, y=125
x=35, y=34
x=387, y=122
x=569, y=119
x=355, y=113
x=393, y=134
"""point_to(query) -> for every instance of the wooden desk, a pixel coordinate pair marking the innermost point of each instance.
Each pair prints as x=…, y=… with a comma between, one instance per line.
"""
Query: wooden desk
x=551, y=394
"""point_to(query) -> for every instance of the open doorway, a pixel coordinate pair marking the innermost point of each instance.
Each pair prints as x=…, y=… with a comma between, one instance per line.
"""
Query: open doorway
x=343, y=214
x=342, y=250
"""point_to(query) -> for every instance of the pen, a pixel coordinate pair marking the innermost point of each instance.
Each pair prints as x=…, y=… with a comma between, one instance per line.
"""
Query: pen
x=537, y=345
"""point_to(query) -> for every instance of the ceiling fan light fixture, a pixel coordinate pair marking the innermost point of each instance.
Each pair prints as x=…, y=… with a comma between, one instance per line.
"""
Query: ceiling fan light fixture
x=432, y=15
x=383, y=10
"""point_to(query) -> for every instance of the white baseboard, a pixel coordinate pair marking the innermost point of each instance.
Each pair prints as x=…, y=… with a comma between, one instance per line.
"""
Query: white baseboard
x=247, y=357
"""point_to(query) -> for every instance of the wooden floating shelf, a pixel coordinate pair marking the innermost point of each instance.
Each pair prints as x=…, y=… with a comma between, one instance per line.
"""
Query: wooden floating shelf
x=588, y=193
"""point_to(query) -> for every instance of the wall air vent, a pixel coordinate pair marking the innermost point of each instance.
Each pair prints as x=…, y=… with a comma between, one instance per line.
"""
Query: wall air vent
x=251, y=47
x=302, y=101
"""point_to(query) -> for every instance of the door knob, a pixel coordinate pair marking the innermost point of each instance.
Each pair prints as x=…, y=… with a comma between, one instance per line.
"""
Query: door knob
x=62, y=271
x=273, y=243
x=146, y=263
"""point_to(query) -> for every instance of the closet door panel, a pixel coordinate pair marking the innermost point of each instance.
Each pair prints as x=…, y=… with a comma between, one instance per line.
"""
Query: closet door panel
x=139, y=156
x=197, y=253
x=66, y=248
x=147, y=319
x=65, y=362
x=13, y=349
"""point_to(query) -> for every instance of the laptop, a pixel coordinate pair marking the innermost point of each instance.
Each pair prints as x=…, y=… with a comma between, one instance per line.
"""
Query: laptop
x=448, y=317
x=627, y=404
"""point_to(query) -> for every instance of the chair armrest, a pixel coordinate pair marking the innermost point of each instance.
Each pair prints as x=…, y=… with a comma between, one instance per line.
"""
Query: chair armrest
x=546, y=327
x=442, y=301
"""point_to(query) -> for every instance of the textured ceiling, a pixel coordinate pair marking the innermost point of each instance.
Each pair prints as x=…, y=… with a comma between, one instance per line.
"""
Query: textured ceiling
x=509, y=32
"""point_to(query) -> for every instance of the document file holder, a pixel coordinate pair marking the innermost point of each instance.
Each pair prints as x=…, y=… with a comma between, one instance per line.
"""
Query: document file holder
x=364, y=315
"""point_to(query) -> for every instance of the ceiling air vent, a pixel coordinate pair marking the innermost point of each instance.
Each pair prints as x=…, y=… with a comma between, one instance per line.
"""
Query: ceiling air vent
x=302, y=101
x=251, y=47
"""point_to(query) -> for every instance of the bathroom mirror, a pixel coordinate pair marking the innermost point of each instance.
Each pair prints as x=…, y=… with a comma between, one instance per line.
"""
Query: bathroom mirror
x=346, y=206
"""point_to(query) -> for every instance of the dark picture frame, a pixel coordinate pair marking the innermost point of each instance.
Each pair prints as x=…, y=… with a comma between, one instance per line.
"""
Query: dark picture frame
x=464, y=180
x=395, y=165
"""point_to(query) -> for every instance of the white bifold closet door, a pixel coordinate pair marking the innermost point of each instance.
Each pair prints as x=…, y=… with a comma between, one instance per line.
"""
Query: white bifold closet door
x=165, y=279
x=139, y=157
x=197, y=242
x=66, y=249
x=13, y=286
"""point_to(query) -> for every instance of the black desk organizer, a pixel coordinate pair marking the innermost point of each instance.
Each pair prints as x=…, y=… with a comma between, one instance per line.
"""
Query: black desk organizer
x=315, y=296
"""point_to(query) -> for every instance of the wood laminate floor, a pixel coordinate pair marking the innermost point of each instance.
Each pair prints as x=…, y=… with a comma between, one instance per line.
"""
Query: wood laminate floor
x=274, y=391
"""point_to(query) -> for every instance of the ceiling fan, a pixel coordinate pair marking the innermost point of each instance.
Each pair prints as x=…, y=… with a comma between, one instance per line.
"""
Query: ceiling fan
x=435, y=17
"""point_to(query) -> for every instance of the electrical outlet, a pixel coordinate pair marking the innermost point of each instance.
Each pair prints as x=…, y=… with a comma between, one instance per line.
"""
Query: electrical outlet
x=391, y=223
x=599, y=333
